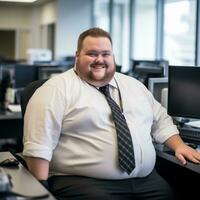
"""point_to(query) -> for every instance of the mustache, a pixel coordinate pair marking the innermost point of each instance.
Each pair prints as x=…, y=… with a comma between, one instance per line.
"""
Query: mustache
x=99, y=64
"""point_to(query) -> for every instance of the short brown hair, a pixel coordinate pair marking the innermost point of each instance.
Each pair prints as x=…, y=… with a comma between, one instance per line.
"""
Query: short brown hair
x=93, y=32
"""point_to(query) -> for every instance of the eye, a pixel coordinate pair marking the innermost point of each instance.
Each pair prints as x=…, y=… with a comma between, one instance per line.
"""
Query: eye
x=106, y=54
x=92, y=54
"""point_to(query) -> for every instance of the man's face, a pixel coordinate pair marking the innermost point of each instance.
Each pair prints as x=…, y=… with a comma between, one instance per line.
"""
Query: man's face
x=95, y=62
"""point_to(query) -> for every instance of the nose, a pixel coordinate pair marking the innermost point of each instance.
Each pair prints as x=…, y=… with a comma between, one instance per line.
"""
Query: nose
x=99, y=58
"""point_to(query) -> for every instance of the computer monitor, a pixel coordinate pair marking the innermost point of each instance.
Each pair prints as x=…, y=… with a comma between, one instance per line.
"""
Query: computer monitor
x=159, y=88
x=184, y=91
x=49, y=72
x=6, y=77
x=145, y=69
x=25, y=74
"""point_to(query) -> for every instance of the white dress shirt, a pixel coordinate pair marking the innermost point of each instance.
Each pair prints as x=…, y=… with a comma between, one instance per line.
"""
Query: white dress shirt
x=69, y=123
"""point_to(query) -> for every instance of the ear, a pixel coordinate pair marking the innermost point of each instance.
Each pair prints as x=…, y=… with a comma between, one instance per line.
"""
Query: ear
x=77, y=53
x=76, y=56
x=114, y=59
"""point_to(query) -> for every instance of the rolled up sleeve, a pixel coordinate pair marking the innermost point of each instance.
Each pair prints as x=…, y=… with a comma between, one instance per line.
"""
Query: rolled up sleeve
x=43, y=122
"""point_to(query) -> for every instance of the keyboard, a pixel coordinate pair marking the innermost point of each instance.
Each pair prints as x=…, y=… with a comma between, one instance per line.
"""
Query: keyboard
x=190, y=134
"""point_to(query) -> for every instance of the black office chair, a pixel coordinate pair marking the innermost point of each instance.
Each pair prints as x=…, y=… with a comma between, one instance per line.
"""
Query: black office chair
x=28, y=92
x=24, y=99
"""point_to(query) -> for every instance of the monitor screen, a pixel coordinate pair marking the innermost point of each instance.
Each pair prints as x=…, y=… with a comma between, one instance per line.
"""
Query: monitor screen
x=184, y=91
x=25, y=74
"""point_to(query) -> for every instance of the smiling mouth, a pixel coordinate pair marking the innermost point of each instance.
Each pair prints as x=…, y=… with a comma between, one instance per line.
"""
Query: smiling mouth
x=98, y=66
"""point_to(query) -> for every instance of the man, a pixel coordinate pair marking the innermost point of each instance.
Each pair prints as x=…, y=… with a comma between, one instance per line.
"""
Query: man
x=70, y=133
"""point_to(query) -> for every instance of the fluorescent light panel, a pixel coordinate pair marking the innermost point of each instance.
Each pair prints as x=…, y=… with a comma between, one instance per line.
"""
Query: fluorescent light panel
x=21, y=1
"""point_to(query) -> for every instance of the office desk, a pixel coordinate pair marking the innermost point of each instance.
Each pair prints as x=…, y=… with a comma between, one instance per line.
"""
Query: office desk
x=23, y=182
x=171, y=158
x=7, y=115
x=183, y=179
x=11, y=129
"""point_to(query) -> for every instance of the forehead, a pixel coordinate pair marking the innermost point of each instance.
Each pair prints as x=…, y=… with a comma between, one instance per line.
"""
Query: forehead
x=96, y=43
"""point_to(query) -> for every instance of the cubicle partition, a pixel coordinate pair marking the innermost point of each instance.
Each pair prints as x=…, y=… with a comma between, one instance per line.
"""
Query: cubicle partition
x=145, y=69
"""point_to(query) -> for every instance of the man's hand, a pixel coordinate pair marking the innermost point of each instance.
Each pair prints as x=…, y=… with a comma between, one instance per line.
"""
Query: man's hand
x=182, y=151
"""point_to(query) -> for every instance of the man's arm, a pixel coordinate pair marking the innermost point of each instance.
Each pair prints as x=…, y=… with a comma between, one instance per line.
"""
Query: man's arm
x=182, y=151
x=38, y=167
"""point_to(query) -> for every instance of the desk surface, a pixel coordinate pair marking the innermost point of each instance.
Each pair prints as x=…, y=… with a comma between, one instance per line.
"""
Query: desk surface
x=191, y=166
x=7, y=115
x=23, y=182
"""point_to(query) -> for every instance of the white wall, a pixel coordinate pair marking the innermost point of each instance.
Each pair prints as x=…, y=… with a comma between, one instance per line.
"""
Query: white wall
x=41, y=17
x=49, y=13
x=70, y=16
x=74, y=16
x=17, y=18
x=30, y=20
x=14, y=17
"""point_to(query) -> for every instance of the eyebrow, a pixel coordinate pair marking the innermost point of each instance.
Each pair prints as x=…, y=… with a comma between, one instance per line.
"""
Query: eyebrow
x=104, y=51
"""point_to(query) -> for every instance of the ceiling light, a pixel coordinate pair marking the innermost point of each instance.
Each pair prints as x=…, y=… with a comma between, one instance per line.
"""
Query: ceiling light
x=21, y=1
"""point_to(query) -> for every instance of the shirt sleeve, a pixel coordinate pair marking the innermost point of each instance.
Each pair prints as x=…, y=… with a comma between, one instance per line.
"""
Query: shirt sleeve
x=43, y=122
x=163, y=126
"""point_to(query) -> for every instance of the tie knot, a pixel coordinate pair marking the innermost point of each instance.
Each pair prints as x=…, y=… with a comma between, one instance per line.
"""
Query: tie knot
x=105, y=90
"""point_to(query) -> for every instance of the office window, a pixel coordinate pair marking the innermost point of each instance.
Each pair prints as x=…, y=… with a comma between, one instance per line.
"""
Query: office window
x=121, y=31
x=101, y=14
x=144, y=29
x=179, y=31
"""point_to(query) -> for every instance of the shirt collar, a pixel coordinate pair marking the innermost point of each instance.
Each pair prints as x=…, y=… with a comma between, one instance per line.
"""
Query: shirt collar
x=113, y=83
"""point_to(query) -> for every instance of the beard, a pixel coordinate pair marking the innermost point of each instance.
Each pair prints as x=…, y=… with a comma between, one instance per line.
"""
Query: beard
x=96, y=74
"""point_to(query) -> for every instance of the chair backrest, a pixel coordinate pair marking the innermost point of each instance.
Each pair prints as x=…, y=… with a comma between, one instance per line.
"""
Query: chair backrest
x=25, y=95
x=28, y=92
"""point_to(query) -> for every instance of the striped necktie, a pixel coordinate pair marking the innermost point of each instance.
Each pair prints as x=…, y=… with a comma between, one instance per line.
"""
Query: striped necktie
x=125, y=145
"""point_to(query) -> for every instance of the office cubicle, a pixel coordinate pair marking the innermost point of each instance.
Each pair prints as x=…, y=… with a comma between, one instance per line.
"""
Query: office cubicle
x=145, y=69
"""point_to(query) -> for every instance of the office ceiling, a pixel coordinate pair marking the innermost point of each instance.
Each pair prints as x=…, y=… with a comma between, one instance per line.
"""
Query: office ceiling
x=37, y=2
x=23, y=1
